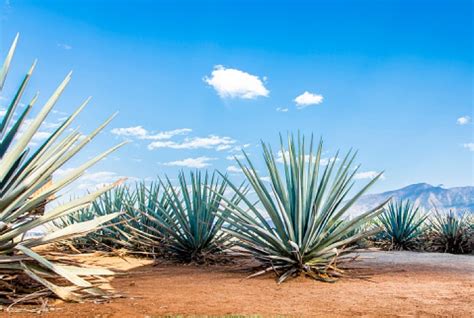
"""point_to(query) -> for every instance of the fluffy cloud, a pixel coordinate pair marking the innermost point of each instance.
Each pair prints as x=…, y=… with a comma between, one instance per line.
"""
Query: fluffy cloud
x=199, y=162
x=141, y=133
x=234, y=169
x=266, y=179
x=239, y=148
x=237, y=156
x=65, y=46
x=210, y=142
x=307, y=99
x=137, y=131
x=233, y=83
x=469, y=146
x=40, y=136
x=58, y=112
x=89, y=181
x=169, y=134
x=367, y=175
x=49, y=125
x=464, y=120
x=282, y=109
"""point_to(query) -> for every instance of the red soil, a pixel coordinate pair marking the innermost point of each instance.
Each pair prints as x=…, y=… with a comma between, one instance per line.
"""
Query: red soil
x=400, y=284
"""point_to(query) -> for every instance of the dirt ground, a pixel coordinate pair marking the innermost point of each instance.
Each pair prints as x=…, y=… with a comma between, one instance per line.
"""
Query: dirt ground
x=400, y=284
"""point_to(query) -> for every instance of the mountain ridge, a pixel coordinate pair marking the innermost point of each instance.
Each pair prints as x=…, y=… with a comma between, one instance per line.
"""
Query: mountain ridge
x=427, y=196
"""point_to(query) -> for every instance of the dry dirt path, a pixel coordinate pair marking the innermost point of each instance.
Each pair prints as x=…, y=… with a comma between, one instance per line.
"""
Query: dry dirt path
x=401, y=284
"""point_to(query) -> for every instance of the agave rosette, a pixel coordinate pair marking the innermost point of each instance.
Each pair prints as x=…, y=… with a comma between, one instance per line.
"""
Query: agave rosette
x=451, y=232
x=402, y=223
x=296, y=226
x=185, y=217
x=26, y=185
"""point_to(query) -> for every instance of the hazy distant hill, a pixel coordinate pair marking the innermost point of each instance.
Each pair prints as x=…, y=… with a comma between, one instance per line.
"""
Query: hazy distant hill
x=458, y=199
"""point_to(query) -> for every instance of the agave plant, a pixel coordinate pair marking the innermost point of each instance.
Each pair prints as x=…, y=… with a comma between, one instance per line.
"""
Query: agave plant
x=185, y=218
x=26, y=184
x=402, y=225
x=132, y=230
x=296, y=227
x=451, y=233
x=109, y=236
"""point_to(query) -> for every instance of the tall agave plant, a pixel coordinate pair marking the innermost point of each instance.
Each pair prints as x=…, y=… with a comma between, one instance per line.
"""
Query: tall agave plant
x=402, y=225
x=25, y=186
x=296, y=227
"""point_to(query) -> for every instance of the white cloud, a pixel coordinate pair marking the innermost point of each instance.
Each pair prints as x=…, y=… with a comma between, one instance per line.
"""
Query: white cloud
x=307, y=99
x=469, y=146
x=280, y=156
x=162, y=139
x=40, y=136
x=137, y=131
x=141, y=133
x=89, y=180
x=64, y=46
x=210, y=142
x=233, y=83
x=325, y=161
x=234, y=169
x=49, y=125
x=100, y=176
x=282, y=109
x=199, y=162
x=168, y=134
x=266, y=179
x=223, y=147
x=58, y=112
x=239, y=148
x=464, y=120
x=3, y=111
x=367, y=175
x=237, y=156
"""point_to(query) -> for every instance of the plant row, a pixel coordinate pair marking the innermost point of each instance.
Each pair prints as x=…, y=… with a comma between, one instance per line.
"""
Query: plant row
x=405, y=227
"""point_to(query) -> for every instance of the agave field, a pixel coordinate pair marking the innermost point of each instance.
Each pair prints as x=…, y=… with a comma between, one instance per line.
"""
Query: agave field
x=296, y=223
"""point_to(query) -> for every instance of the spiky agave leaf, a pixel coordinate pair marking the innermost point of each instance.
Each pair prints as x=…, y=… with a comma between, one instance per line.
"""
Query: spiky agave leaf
x=146, y=235
x=450, y=232
x=402, y=224
x=25, y=185
x=296, y=226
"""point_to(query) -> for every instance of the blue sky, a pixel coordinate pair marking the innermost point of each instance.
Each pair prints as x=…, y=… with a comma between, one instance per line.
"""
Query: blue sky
x=195, y=81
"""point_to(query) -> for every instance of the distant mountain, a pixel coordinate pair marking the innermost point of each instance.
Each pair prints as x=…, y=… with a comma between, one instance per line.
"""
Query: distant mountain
x=423, y=194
